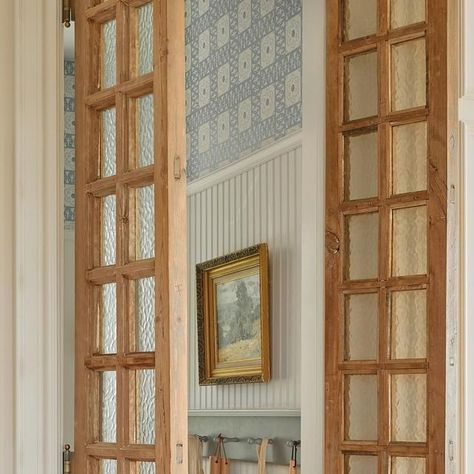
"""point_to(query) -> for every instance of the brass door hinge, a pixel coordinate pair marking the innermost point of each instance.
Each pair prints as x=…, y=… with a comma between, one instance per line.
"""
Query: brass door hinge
x=68, y=12
x=67, y=460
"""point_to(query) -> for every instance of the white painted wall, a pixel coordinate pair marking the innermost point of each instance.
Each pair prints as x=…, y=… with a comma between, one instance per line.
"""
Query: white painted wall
x=234, y=209
x=7, y=313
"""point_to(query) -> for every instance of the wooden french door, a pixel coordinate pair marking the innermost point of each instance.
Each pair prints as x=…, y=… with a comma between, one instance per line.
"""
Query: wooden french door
x=387, y=154
x=131, y=321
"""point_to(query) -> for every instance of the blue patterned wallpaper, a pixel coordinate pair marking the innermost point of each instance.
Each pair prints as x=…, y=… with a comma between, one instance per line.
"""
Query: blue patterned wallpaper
x=243, y=78
x=69, y=145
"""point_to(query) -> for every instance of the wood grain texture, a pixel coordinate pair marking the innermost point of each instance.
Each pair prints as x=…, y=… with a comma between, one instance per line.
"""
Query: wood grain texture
x=435, y=29
x=169, y=264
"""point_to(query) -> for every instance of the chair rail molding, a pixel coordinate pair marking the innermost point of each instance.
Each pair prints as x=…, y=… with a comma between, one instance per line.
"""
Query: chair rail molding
x=38, y=251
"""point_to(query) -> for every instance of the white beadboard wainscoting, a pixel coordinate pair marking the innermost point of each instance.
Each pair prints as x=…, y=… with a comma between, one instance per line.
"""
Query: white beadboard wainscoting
x=258, y=200
x=249, y=468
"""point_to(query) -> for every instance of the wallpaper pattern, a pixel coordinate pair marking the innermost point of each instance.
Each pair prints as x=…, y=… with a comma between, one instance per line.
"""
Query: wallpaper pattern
x=243, y=78
x=69, y=145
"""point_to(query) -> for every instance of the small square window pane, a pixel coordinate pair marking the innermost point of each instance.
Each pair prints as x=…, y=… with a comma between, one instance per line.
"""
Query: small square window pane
x=400, y=465
x=108, y=466
x=108, y=142
x=361, y=326
x=361, y=165
x=145, y=131
x=409, y=74
x=143, y=414
x=145, y=468
x=145, y=38
x=362, y=246
x=406, y=12
x=359, y=464
x=144, y=314
x=409, y=408
x=109, y=229
x=108, y=407
x=109, y=54
x=410, y=247
x=108, y=319
x=361, y=407
x=142, y=237
x=360, y=18
x=361, y=86
x=410, y=158
x=408, y=324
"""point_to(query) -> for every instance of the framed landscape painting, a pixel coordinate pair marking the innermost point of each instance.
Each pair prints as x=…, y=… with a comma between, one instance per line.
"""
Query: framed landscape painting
x=233, y=318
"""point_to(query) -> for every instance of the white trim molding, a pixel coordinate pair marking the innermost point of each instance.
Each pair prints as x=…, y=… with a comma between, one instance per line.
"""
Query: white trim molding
x=286, y=145
x=38, y=235
x=313, y=225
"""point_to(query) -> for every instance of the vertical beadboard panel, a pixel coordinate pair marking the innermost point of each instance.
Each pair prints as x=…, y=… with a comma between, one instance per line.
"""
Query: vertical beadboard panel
x=249, y=468
x=260, y=204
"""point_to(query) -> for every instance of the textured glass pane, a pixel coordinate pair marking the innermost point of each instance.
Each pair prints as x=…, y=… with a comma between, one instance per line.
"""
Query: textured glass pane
x=361, y=464
x=145, y=226
x=108, y=407
x=361, y=166
x=409, y=408
x=360, y=406
x=146, y=468
x=408, y=466
x=145, y=407
x=361, y=90
x=108, y=229
x=108, y=466
x=360, y=18
x=109, y=54
x=109, y=319
x=409, y=166
x=409, y=74
x=361, y=330
x=145, y=131
x=406, y=12
x=145, y=38
x=408, y=324
x=145, y=309
x=109, y=142
x=410, y=241
x=362, y=246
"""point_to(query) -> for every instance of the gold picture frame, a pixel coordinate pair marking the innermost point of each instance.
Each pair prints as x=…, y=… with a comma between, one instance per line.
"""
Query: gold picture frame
x=233, y=318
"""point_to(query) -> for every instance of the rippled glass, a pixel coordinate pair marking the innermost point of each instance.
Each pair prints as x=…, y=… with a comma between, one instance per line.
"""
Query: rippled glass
x=359, y=464
x=109, y=54
x=362, y=246
x=408, y=407
x=145, y=131
x=410, y=246
x=401, y=465
x=409, y=74
x=109, y=205
x=146, y=468
x=361, y=165
x=361, y=326
x=410, y=158
x=108, y=466
x=108, y=407
x=360, y=18
x=108, y=322
x=145, y=222
x=406, y=12
x=408, y=324
x=361, y=407
x=145, y=406
x=145, y=38
x=361, y=86
x=145, y=314
x=109, y=142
